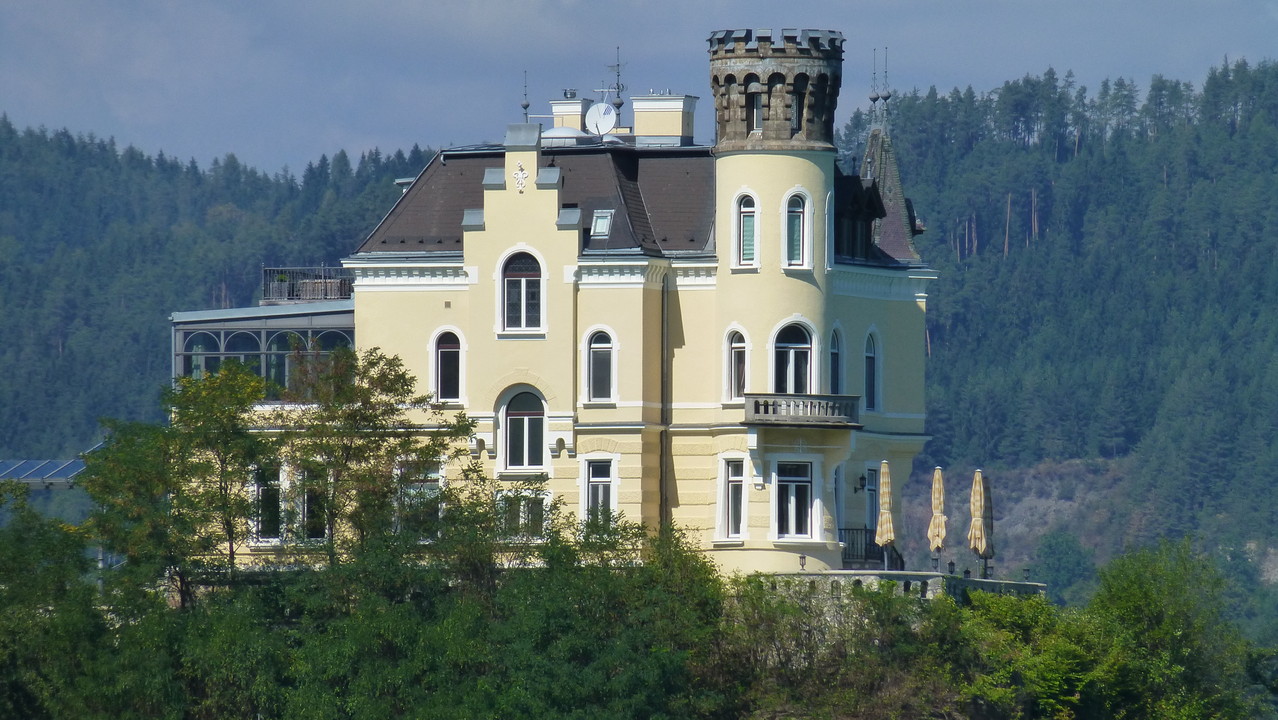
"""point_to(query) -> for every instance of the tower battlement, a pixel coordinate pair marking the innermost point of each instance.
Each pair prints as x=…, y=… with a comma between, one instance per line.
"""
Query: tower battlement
x=763, y=42
x=775, y=90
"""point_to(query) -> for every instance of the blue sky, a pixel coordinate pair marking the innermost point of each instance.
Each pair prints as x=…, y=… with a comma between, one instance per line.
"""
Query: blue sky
x=280, y=83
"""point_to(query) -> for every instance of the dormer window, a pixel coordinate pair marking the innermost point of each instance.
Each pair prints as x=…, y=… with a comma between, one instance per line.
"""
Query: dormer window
x=601, y=224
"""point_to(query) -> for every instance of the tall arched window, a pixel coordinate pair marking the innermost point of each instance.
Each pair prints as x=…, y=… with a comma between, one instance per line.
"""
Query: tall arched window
x=599, y=367
x=747, y=230
x=521, y=292
x=795, y=231
x=736, y=366
x=836, y=365
x=871, y=374
x=793, y=360
x=525, y=431
x=447, y=367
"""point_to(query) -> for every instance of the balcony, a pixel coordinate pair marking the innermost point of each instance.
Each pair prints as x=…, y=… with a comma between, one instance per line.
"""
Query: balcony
x=282, y=286
x=832, y=411
x=861, y=553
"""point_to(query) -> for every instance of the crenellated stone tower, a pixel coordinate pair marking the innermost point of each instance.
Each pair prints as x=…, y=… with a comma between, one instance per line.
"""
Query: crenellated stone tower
x=775, y=90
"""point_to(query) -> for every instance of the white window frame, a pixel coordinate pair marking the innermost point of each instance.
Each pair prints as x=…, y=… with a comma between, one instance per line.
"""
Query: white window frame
x=601, y=223
x=281, y=506
x=301, y=506
x=804, y=260
x=739, y=259
x=506, y=434
x=585, y=482
x=815, y=522
x=431, y=484
x=502, y=328
x=724, y=532
x=730, y=376
x=437, y=366
x=789, y=359
x=587, y=366
x=526, y=500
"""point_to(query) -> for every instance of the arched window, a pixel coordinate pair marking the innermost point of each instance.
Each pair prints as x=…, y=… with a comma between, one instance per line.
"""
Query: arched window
x=747, y=230
x=836, y=366
x=201, y=355
x=521, y=292
x=793, y=360
x=599, y=367
x=525, y=431
x=871, y=374
x=447, y=367
x=795, y=230
x=736, y=366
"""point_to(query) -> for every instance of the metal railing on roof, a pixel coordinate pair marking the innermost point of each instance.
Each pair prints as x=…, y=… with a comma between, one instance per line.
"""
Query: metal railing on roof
x=305, y=284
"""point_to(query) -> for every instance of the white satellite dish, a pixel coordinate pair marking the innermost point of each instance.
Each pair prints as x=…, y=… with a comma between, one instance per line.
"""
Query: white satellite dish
x=601, y=118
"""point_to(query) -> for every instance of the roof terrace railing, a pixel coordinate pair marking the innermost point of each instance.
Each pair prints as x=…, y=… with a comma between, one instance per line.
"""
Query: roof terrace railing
x=305, y=284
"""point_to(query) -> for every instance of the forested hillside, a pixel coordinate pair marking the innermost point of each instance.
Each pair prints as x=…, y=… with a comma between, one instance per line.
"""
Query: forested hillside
x=1108, y=286
x=99, y=244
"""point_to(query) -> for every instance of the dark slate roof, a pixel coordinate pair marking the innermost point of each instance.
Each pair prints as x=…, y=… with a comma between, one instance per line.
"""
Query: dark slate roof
x=662, y=198
x=894, y=233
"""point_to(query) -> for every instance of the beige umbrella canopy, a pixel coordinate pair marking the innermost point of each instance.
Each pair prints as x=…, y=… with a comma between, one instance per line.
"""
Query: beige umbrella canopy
x=980, y=534
x=936, y=529
x=885, y=533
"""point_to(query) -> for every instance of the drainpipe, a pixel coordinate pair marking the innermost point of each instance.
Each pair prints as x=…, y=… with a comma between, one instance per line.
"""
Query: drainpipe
x=666, y=453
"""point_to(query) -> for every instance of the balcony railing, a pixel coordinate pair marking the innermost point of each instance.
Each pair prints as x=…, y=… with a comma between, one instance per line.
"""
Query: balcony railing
x=861, y=553
x=784, y=409
x=304, y=284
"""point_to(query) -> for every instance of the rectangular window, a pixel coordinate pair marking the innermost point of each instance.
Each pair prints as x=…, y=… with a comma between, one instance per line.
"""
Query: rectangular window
x=796, y=113
x=267, y=480
x=738, y=361
x=754, y=112
x=871, y=499
x=600, y=372
x=601, y=223
x=449, y=373
x=523, y=517
x=314, y=514
x=734, y=497
x=524, y=442
x=794, y=238
x=746, y=231
x=418, y=511
x=599, y=491
x=794, y=500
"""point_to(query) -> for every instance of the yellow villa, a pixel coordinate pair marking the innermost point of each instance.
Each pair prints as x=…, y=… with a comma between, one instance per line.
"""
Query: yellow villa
x=729, y=337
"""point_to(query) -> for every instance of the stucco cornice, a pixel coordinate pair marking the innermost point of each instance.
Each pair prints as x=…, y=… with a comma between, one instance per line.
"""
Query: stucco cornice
x=882, y=283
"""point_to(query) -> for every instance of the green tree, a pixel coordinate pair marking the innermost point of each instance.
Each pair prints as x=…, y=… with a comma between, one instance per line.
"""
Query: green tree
x=361, y=437
x=177, y=500
x=1174, y=653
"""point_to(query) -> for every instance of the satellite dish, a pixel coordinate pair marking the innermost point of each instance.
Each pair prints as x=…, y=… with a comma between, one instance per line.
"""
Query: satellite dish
x=601, y=118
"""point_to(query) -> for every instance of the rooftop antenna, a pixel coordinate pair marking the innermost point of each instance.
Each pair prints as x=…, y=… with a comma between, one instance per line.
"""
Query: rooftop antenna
x=887, y=89
x=616, y=88
x=524, y=104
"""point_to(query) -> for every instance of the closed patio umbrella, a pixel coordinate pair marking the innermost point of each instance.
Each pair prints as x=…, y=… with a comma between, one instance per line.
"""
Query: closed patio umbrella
x=885, y=532
x=936, y=529
x=980, y=534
